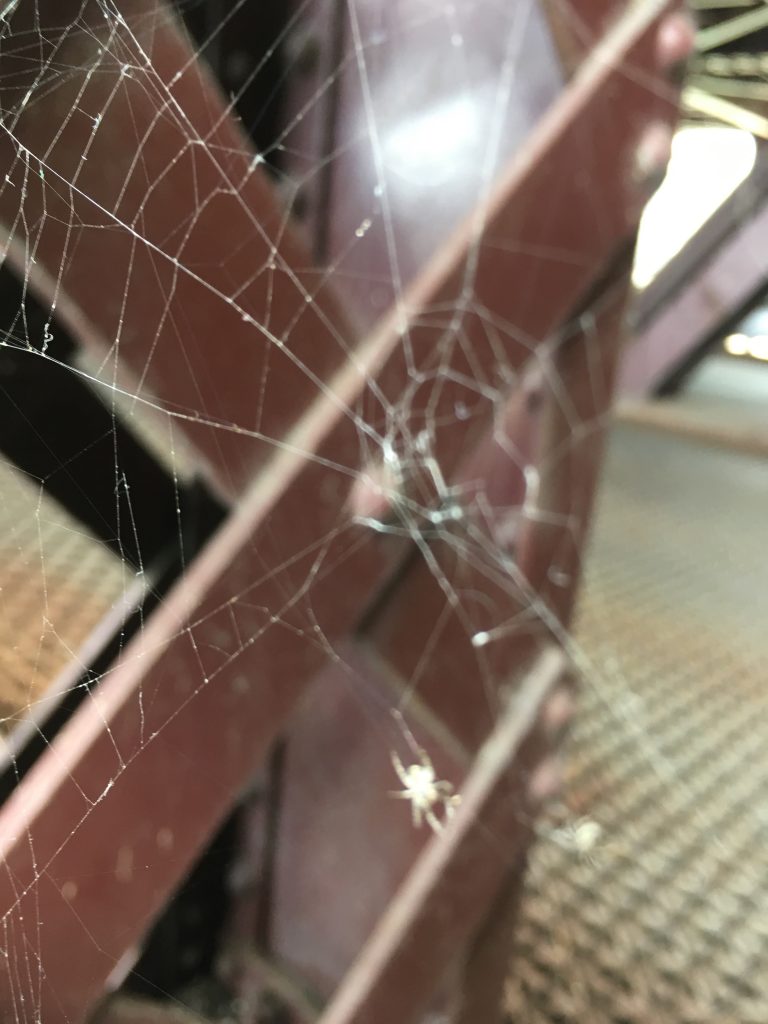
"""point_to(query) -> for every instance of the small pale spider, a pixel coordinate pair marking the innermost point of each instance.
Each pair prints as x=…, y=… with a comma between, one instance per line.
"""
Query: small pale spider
x=580, y=836
x=426, y=793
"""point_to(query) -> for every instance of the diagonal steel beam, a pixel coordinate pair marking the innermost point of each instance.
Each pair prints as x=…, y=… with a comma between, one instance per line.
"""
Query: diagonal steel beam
x=451, y=885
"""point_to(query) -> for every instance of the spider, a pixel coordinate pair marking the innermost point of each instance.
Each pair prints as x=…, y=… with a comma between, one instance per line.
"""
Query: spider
x=580, y=836
x=425, y=792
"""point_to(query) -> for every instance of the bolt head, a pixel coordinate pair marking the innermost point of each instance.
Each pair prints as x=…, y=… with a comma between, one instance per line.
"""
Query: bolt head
x=652, y=156
x=546, y=780
x=675, y=41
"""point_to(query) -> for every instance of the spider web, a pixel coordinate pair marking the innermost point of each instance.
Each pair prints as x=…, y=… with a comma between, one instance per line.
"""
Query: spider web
x=333, y=130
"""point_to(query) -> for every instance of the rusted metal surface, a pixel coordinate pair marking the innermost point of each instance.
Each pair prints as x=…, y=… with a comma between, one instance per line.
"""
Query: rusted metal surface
x=92, y=845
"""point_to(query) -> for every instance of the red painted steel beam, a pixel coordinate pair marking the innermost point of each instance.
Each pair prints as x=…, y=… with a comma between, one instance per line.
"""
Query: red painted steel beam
x=430, y=107
x=586, y=218
x=531, y=594
x=418, y=656
x=106, y=823
x=448, y=682
x=576, y=26
x=575, y=420
x=134, y=201
x=92, y=842
x=451, y=885
x=529, y=261
x=354, y=798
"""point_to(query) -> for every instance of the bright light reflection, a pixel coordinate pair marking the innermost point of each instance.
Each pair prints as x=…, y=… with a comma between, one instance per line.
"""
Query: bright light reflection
x=432, y=147
x=743, y=345
x=737, y=344
x=706, y=166
x=758, y=348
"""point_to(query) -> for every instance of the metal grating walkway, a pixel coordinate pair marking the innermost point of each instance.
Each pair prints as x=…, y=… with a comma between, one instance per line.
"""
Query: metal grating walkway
x=664, y=918
x=56, y=583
